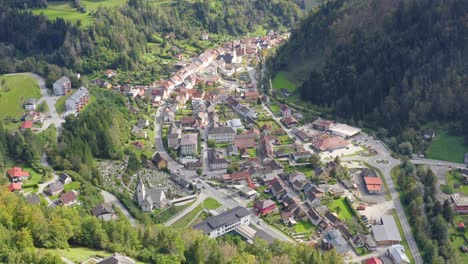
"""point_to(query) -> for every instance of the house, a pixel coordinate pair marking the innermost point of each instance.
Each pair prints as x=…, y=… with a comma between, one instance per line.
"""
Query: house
x=333, y=219
x=143, y=123
x=386, y=233
x=322, y=124
x=168, y=117
x=68, y=198
x=116, y=258
x=300, y=155
x=397, y=254
x=232, y=150
x=428, y=134
x=104, y=211
x=374, y=260
x=17, y=174
x=265, y=149
x=149, y=198
x=235, y=123
x=221, y=134
x=138, y=132
x=159, y=161
x=289, y=121
x=302, y=135
x=334, y=239
x=78, y=100
x=30, y=104
x=139, y=145
x=314, y=217
x=313, y=199
x=251, y=96
x=189, y=144
x=15, y=186
x=65, y=178
x=343, y=130
x=110, y=73
x=373, y=184
x=188, y=121
x=218, y=163
x=173, y=140
x=277, y=188
x=330, y=143
x=285, y=111
x=264, y=207
x=33, y=199
x=26, y=125
x=460, y=203
x=62, y=86
x=246, y=140
x=225, y=222
x=55, y=188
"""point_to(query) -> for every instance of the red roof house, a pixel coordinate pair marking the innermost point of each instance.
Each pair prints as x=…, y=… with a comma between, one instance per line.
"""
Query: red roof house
x=285, y=111
x=373, y=184
x=15, y=186
x=68, y=198
x=264, y=206
x=26, y=125
x=330, y=143
x=18, y=173
x=374, y=260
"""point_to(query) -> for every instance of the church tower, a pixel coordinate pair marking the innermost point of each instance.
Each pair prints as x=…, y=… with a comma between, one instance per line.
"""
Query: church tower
x=140, y=191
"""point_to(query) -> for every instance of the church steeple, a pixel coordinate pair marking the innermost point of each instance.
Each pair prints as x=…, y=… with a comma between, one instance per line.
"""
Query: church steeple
x=140, y=190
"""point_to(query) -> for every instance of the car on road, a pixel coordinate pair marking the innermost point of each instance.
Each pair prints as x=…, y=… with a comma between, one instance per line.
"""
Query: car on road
x=439, y=164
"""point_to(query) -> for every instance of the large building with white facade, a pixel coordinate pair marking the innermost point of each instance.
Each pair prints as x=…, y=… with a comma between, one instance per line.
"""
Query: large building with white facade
x=78, y=100
x=189, y=144
x=221, y=134
x=226, y=222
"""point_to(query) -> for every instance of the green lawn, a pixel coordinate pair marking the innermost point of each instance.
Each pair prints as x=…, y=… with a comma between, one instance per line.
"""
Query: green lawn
x=211, y=204
x=14, y=93
x=252, y=152
x=447, y=147
x=281, y=82
x=304, y=227
x=34, y=176
x=60, y=104
x=66, y=10
x=455, y=236
x=344, y=212
x=403, y=237
x=80, y=254
x=456, y=178
x=275, y=108
x=188, y=218
x=71, y=186
x=272, y=123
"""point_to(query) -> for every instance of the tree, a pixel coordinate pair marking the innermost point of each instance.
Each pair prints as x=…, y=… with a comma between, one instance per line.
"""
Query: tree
x=405, y=148
x=314, y=160
x=199, y=172
x=447, y=211
x=211, y=143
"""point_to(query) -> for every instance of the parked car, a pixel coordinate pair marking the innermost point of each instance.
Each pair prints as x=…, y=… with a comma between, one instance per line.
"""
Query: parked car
x=361, y=207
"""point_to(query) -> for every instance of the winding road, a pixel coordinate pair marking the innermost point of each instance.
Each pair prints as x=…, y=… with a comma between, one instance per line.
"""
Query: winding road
x=110, y=198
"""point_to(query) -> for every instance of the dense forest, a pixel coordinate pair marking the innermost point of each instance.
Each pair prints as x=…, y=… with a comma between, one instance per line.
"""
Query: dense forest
x=389, y=63
x=25, y=229
x=119, y=36
x=428, y=217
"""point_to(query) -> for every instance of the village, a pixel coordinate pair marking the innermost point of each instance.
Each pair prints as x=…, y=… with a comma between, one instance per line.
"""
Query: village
x=269, y=171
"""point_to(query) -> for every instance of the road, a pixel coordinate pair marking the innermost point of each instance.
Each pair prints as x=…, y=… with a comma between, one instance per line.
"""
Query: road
x=49, y=99
x=187, y=210
x=110, y=198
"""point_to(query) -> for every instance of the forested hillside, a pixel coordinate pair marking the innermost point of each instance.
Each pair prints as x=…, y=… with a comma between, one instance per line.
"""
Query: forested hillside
x=390, y=63
x=119, y=36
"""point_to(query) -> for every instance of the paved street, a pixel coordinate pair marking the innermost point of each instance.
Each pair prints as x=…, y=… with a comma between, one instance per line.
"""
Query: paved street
x=110, y=198
x=187, y=210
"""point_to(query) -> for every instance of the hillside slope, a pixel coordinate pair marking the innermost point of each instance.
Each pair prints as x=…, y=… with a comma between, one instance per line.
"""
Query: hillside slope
x=387, y=62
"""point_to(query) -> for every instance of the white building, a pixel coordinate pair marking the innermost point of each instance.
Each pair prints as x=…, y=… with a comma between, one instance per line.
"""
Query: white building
x=78, y=100
x=226, y=222
x=189, y=144
x=149, y=199
x=221, y=134
x=30, y=104
x=62, y=86
x=235, y=123
x=397, y=254
x=343, y=130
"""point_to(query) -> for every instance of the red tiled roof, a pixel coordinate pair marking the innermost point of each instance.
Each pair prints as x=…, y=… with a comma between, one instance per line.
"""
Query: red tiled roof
x=373, y=180
x=330, y=143
x=284, y=108
x=17, y=172
x=242, y=175
x=373, y=260
x=68, y=197
x=15, y=186
x=27, y=125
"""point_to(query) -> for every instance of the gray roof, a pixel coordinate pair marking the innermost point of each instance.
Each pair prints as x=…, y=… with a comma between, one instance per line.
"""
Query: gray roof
x=189, y=139
x=63, y=177
x=117, y=259
x=232, y=149
x=103, y=208
x=56, y=186
x=225, y=218
x=78, y=94
x=62, y=80
x=221, y=130
x=336, y=239
x=33, y=199
x=31, y=101
x=155, y=195
x=388, y=231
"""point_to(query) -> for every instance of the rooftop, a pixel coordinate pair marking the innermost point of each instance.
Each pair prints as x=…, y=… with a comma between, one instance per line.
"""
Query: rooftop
x=221, y=130
x=189, y=139
x=344, y=129
x=225, y=218
x=387, y=231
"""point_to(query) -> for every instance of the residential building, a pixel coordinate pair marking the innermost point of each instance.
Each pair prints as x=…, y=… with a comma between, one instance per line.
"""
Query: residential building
x=302, y=135
x=173, y=140
x=216, y=160
x=330, y=143
x=373, y=184
x=30, y=104
x=143, y=123
x=246, y=140
x=264, y=207
x=225, y=222
x=460, y=203
x=26, y=125
x=334, y=239
x=117, y=259
x=232, y=150
x=300, y=155
x=397, y=254
x=235, y=123
x=221, y=134
x=149, y=198
x=15, y=186
x=55, y=188
x=189, y=144
x=17, y=174
x=343, y=130
x=139, y=132
x=68, y=198
x=104, y=211
x=78, y=100
x=374, y=260
x=322, y=124
x=285, y=111
x=62, y=86
x=159, y=161
x=386, y=233
x=289, y=121
x=110, y=73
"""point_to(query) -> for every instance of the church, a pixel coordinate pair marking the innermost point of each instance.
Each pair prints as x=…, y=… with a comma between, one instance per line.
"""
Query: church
x=149, y=198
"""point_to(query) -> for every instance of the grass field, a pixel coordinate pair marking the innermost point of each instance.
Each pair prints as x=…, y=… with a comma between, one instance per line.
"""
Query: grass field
x=80, y=254
x=34, y=176
x=447, y=147
x=71, y=186
x=252, y=152
x=211, y=203
x=275, y=108
x=456, y=178
x=65, y=10
x=188, y=218
x=280, y=81
x=304, y=227
x=456, y=237
x=15, y=92
x=60, y=104
x=340, y=207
